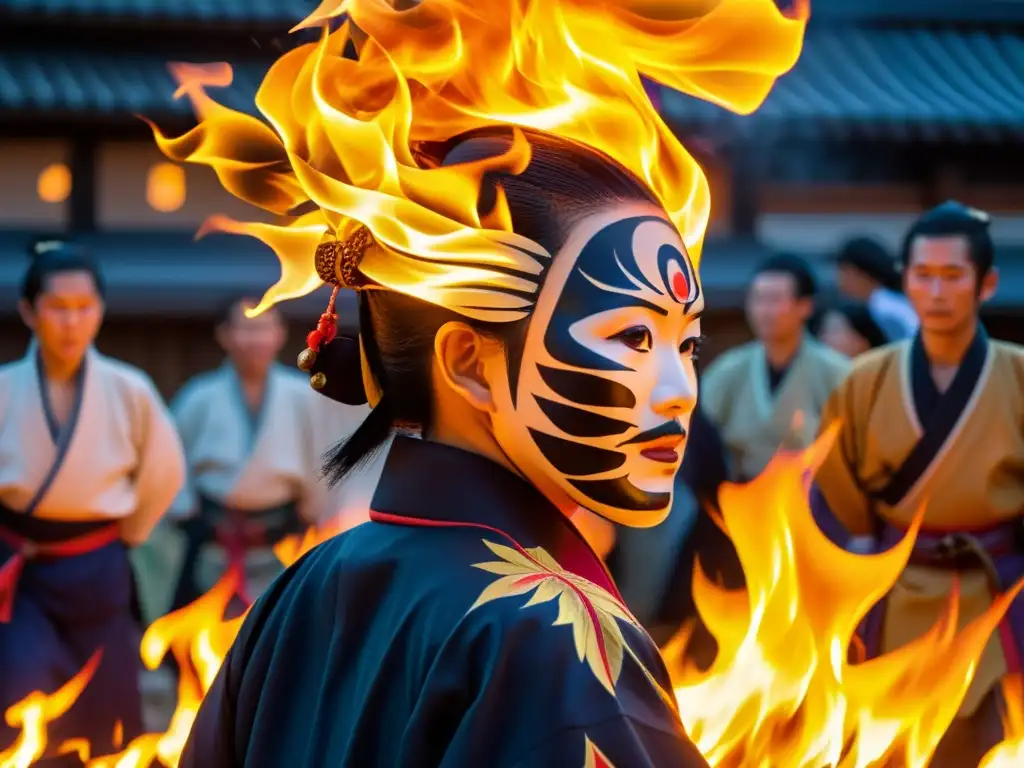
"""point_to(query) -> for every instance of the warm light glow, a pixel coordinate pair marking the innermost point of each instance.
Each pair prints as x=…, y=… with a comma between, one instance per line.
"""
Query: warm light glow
x=1010, y=754
x=348, y=135
x=54, y=183
x=165, y=187
x=781, y=691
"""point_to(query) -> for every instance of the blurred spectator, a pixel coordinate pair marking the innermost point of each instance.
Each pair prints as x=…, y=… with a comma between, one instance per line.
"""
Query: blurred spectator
x=850, y=329
x=868, y=273
x=251, y=449
x=767, y=394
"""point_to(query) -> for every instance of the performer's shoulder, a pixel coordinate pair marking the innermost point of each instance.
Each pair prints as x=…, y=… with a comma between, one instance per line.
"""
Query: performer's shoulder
x=876, y=361
x=731, y=361
x=1011, y=356
x=198, y=387
x=130, y=379
x=828, y=357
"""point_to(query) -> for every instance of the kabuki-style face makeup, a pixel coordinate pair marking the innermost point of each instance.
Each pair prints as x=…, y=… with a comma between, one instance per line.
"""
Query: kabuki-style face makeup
x=599, y=408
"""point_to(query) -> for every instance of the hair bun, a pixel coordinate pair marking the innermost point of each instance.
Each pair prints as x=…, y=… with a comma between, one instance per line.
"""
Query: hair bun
x=339, y=362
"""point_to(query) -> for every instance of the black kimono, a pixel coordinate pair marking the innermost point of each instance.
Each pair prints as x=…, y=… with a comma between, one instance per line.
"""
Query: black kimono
x=468, y=624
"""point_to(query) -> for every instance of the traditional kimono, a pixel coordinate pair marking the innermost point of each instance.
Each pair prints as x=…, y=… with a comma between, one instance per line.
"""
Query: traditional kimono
x=468, y=624
x=73, y=497
x=758, y=411
x=958, y=453
x=253, y=476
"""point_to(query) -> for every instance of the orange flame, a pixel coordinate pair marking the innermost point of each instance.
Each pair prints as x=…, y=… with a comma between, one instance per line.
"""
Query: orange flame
x=1010, y=754
x=781, y=690
x=37, y=709
x=347, y=135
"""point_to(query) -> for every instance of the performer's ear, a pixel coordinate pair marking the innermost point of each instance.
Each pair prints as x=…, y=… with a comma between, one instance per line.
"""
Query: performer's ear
x=460, y=357
x=989, y=284
x=28, y=315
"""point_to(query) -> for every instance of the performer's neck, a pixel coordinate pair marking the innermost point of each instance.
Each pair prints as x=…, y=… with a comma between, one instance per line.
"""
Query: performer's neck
x=780, y=352
x=58, y=370
x=948, y=348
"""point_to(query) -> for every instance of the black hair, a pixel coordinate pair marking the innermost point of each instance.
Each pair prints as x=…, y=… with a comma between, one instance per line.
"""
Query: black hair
x=228, y=310
x=795, y=266
x=861, y=321
x=49, y=257
x=951, y=219
x=563, y=181
x=872, y=259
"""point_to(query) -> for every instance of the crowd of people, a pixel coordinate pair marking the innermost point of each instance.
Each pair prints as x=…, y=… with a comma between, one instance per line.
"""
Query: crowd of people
x=233, y=465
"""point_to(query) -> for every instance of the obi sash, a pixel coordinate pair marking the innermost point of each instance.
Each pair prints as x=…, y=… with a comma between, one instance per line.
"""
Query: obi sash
x=997, y=550
x=238, y=531
x=34, y=538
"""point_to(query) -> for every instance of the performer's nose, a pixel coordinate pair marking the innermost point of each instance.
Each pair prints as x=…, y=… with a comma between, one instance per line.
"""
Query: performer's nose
x=675, y=392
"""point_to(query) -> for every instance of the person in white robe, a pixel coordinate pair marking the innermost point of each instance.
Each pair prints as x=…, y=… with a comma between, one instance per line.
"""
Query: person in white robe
x=89, y=462
x=250, y=434
x=767, y=395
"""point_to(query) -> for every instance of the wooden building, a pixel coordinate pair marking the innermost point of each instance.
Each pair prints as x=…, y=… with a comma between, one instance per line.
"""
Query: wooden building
x=894, y=106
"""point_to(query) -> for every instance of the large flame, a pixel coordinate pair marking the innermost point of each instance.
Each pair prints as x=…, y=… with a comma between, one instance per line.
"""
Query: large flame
x=781, y=691
x=780, y=694
x=348, y=133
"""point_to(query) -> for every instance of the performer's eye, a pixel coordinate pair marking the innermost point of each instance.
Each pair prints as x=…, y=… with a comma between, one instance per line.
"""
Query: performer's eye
x=637, y=338
x=691, y=347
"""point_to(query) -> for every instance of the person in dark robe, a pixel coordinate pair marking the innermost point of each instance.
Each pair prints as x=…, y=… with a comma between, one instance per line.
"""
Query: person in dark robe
x=938, y=421
x=529, y=356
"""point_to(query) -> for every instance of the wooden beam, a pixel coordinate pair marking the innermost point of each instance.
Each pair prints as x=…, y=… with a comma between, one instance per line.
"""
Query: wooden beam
x=82, y=202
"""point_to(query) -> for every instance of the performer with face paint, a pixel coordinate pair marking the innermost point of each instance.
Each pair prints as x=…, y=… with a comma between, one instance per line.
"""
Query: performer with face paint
x=528, y=349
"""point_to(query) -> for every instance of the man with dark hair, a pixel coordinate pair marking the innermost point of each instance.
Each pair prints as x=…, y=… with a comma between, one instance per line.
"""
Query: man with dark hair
x=938, y=422
x=766, y=394
x=866, y=272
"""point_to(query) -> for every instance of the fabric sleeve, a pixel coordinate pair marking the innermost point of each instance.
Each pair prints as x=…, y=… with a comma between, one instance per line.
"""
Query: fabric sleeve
x=187, y=420
x=837, y=491
x=616, y=743
x=161, y=465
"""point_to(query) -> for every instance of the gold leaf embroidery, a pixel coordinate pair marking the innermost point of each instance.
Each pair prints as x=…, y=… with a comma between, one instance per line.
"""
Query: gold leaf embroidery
x=591, y=612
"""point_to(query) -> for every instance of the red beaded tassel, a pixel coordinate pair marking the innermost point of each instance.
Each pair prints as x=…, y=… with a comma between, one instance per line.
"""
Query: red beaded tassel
x=326, y=330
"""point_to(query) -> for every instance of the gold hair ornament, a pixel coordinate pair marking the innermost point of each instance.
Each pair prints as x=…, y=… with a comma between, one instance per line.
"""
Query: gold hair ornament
x=337, y=263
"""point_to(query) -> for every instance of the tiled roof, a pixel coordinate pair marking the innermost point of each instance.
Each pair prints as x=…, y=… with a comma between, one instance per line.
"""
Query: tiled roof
x=919, y=82
x=284, y=11
x=60, y=81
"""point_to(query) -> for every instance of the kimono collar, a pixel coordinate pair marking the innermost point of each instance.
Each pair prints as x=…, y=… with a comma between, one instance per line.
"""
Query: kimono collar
x=434, y=485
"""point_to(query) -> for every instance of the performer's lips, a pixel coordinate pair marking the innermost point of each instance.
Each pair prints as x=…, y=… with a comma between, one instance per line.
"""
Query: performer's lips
x=660, y=443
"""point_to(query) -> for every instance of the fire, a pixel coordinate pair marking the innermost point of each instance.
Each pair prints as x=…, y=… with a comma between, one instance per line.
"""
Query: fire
x=198, y=636
x=1010, y=753
x=781, y=690
x=347, y=134
x=37, y=709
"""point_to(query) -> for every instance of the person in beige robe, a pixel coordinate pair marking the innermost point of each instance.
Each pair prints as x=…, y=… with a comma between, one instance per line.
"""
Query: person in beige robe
x=936, y=423
x=766, y=395
x=89, y=462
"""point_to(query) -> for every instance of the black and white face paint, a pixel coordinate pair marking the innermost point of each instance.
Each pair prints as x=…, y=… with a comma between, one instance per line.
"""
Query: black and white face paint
x=606, y=387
